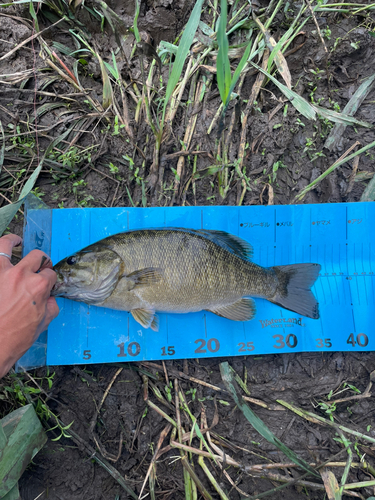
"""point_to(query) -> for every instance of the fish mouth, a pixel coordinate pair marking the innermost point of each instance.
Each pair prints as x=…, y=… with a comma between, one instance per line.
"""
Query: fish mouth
x=56, y=287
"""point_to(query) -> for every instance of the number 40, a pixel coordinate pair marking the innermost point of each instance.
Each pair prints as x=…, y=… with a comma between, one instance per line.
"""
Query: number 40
x=361, y=339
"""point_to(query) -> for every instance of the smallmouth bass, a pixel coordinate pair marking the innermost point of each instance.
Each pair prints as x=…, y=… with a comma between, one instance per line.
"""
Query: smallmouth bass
x=180, y=271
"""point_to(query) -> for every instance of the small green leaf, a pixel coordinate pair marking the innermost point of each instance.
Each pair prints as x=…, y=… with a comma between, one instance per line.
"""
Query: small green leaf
x=107, y=87
x=205, y=172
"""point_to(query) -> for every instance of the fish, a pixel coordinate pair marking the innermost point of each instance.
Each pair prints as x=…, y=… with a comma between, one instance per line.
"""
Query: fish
x=179, y=270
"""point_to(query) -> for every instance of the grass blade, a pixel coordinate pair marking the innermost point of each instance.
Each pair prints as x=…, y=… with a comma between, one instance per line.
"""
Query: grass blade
x=298, y=102
x=237, y=72
x=182, y=52
x=222, y=63
x=2, y=147
x=195, y=478
x=8, y=212
x=310, y=110
x=256, y=422
x=107, y=87
x=276, y=55
x=308, y=188
x=278, y=46
x=341, y=118
x=45, y=108
x=211, y=478
x=331, y=485
x=135, y=24
x=369, y=193
x=317, y=419
x=350, y=109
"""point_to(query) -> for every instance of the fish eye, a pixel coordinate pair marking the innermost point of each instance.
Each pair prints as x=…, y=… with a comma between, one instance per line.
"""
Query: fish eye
x=71, y=261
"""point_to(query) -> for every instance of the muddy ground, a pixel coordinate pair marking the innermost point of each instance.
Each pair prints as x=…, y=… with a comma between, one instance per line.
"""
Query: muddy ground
x=66, y=469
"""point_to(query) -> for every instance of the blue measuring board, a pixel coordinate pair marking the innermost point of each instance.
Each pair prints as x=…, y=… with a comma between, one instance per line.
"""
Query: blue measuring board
x=340, y=237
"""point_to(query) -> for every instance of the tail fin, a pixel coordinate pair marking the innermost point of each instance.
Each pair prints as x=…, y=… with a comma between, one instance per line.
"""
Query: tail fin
x=293, y=291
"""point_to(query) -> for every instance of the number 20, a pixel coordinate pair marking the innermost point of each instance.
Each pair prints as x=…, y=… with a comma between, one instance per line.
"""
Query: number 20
x=213, y=345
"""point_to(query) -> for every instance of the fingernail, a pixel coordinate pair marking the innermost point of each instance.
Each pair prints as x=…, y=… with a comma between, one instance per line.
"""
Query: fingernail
x=43, y=261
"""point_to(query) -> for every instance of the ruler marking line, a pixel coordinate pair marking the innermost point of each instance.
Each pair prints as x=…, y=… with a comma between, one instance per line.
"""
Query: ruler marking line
x=354, y=327
x=350, y=294
x=330, y=289
x=346, y=223
x=274, y=224
x=338, y=291
x=370, y=260
x=346, y=259
x=358, y=293
x=365, y=287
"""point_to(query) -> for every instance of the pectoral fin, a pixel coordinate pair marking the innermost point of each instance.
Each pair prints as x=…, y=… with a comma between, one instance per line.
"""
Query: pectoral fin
x=242, y=310
x=147, y=276
x=146, y=318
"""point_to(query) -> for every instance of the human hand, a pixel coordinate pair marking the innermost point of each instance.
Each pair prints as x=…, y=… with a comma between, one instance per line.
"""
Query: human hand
x=26, y=307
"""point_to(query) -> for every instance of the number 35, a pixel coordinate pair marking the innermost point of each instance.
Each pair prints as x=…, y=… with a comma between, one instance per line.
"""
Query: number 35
x=323, y=343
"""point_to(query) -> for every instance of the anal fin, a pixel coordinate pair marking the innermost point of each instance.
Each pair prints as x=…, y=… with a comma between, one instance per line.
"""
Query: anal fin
x=242, y=310
x=146, y=318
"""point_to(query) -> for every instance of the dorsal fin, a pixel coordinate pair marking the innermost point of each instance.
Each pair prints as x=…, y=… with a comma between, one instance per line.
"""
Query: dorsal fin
x=232, y=243
x=229, y=242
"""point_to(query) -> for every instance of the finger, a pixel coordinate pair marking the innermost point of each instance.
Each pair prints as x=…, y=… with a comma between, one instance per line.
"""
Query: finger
x=35, y=261
x=52, y=311
x=51, y=278
x=7, y=242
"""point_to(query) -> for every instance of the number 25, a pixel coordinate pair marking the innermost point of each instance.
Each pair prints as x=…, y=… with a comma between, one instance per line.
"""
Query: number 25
x=249, y=346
